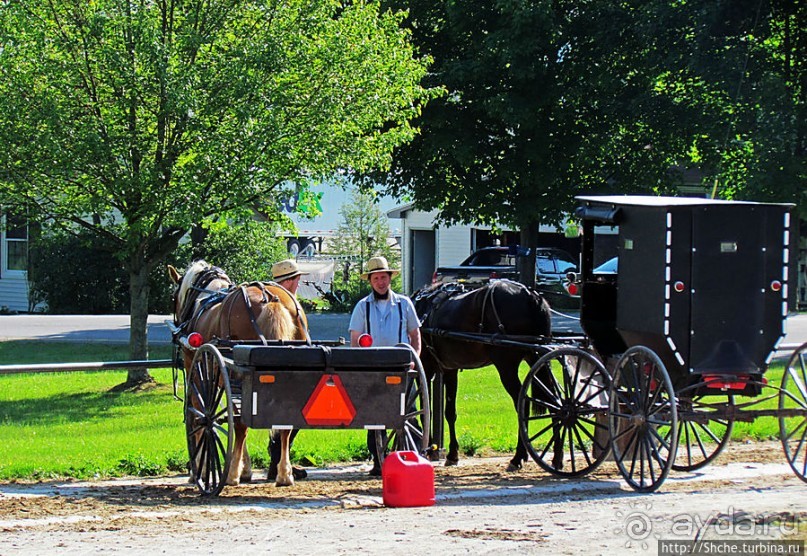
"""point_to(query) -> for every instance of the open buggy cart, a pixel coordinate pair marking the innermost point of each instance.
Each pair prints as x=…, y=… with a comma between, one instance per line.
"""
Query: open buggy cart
x=299, y=385
x=684, y=302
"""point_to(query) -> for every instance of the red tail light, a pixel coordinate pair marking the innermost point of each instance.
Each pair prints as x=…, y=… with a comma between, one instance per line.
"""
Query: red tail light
x=738, y=382
x=573, y=289
x=494, y=275
x=365, y=340
x=195, y=340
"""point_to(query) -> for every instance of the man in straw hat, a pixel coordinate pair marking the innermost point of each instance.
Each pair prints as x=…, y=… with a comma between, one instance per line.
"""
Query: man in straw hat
x=287, y=274
x=389, y=318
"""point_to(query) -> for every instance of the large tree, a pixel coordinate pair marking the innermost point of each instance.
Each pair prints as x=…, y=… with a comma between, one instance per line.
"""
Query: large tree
x=548, y=99
x=137, y=119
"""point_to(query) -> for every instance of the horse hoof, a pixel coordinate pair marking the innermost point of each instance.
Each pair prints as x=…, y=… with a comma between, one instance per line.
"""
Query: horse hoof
x=512, y=467
x=246, y=479
x=452, y=462
x=284, y=483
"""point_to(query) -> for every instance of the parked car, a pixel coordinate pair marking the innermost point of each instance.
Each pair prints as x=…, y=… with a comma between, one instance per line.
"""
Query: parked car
x=489, y=263
x=608, y=267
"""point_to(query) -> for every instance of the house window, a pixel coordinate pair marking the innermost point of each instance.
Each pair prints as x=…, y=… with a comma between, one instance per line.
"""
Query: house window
x=15, y=243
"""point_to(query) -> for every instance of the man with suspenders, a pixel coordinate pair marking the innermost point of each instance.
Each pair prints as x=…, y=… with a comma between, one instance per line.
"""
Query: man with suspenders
x=389, y=318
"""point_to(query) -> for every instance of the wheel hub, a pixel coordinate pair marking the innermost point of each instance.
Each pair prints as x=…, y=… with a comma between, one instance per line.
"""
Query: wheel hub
x=638, y=419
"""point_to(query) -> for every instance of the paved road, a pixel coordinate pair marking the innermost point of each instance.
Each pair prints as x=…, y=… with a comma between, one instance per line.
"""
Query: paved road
x=115, y=328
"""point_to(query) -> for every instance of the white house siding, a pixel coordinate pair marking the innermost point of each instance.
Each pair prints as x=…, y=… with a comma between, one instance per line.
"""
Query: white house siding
x=14, y=294
x=452, y=244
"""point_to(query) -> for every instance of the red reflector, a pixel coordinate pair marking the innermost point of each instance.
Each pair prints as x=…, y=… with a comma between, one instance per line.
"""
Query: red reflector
x=494, y=275
x=726, y=382
x=678, y=286
x=365, y=340
x=776, y=286
x=572, y=289
x=329, y=404
x=195, y=339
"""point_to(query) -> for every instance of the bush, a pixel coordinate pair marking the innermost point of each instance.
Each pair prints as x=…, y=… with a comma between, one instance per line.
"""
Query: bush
x=74, y=273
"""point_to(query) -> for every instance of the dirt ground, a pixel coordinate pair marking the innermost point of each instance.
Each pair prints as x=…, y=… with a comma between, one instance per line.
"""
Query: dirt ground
x=480, y=509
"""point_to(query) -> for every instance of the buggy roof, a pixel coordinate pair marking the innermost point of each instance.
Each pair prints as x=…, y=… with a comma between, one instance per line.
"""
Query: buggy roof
x=651, y=201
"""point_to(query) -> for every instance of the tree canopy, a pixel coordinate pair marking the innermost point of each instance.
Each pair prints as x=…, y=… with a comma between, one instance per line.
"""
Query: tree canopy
x=137, y=119
x=549, y=99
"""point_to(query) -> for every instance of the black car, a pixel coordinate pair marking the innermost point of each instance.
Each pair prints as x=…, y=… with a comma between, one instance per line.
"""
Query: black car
x=551, y=267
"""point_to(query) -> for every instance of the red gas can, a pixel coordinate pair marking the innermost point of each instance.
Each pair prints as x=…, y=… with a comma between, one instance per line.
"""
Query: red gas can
x=407, y=480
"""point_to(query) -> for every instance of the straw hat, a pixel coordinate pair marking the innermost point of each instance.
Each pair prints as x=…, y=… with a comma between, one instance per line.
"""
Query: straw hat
x=284, y=270
x=378, y=264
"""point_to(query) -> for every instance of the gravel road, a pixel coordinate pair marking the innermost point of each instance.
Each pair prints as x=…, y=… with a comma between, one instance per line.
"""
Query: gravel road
x=480, y=509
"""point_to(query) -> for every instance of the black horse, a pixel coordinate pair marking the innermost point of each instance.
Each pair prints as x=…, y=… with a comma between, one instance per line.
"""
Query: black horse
x=448, y=313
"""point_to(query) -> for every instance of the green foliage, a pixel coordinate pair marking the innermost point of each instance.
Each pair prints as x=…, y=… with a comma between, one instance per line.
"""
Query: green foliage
x=547, y=102
x=137, y=121
x=74, y=273
x=140, y=466
x=363, y=233
x=245, y=251
x=364, y=230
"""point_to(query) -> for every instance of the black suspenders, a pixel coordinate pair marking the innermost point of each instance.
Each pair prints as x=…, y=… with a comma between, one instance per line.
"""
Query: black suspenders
x=400, y=317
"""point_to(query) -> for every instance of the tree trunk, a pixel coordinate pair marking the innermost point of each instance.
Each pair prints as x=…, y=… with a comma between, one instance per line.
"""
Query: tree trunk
x=138, y=323
x=529, y=239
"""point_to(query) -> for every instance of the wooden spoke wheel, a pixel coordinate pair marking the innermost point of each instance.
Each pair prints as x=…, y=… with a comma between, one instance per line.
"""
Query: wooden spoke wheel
x=414, y=436
x=209, y=420
x=642, y=419
x=701, y=436
x=793, y=412
x=562, y=412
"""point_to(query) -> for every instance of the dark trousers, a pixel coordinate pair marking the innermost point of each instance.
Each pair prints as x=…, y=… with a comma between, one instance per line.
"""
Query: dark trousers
x=372, y=447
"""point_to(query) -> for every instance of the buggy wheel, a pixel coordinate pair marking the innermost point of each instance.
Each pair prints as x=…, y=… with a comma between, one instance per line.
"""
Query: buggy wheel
x=414, y=436
x=793, y=412
x=562, y=412
x=642, y=419
x=209, y=420
x=701, y=438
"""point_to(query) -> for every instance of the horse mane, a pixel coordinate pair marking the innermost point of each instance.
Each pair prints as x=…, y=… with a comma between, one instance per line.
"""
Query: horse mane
x=189, y=277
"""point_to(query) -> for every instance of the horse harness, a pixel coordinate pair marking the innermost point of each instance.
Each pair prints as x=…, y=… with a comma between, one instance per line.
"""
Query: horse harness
x=446, y=292
x=190, y=312
x=269, y=297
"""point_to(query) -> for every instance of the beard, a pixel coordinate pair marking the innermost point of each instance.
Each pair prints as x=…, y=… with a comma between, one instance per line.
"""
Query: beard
x=377, y=295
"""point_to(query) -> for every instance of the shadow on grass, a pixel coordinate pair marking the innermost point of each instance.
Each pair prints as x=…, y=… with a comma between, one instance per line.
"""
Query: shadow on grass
x=78, y=407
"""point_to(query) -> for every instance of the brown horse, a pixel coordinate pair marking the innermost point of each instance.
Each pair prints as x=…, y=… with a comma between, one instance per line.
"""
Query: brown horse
x=501, y=307
x=207, y=302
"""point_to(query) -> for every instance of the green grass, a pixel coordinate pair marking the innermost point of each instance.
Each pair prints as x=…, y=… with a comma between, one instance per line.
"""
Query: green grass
x=79, y=424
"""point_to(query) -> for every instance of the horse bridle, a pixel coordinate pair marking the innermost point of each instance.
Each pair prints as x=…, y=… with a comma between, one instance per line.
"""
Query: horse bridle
x=198, y=287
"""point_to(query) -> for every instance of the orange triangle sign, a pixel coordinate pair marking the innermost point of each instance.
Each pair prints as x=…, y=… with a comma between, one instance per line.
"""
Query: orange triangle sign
x=329, y=404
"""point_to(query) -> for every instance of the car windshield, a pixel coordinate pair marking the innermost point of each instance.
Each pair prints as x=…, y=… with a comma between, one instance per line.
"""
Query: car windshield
x=554, y=262
x=493, y=257
x=608, y=267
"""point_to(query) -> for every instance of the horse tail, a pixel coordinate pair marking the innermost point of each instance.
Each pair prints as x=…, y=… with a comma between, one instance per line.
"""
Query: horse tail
x=276, y=322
